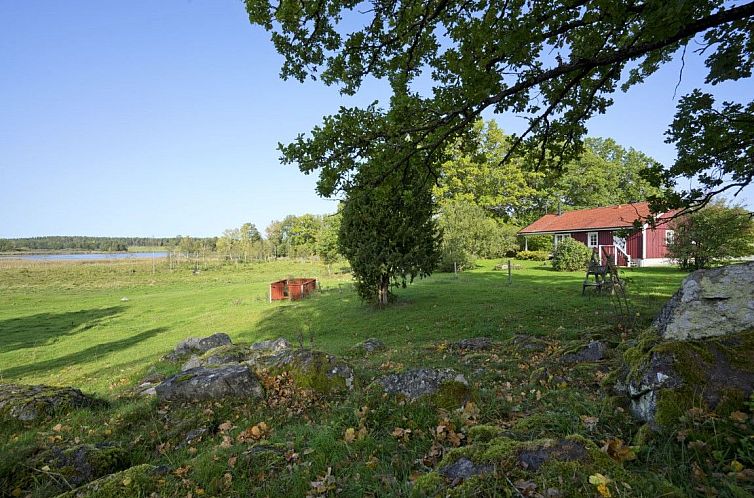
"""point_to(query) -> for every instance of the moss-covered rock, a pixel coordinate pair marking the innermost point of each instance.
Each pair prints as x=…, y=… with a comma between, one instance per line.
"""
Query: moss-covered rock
x=86, y=462
x=135, y=481
x=446, y=387
x=39, y=402
x=309, y=369
x=665, y=379
x=563, y=464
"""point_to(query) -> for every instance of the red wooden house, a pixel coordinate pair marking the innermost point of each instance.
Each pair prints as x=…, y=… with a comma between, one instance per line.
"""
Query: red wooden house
x=600, y=228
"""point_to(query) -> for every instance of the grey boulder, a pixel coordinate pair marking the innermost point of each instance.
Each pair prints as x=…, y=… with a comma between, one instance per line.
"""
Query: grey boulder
x=211, y=383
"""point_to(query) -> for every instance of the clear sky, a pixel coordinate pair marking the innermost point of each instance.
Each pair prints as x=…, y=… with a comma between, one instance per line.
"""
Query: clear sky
x=163, y=118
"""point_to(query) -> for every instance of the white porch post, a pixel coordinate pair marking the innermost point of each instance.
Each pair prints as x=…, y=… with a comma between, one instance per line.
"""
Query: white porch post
x=526, y=243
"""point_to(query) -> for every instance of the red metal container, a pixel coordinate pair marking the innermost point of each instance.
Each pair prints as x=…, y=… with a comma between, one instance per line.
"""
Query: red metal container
x=292, y=288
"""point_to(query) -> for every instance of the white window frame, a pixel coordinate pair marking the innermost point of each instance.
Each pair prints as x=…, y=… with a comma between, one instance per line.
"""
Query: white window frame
x=589, y=239
x=560, y=237
x=669, y=236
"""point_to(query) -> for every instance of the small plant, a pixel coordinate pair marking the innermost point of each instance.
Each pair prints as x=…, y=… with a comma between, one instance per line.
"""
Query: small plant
x=571, y=255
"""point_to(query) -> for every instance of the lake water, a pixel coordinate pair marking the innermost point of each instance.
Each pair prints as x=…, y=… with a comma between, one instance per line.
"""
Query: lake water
x=89, y=256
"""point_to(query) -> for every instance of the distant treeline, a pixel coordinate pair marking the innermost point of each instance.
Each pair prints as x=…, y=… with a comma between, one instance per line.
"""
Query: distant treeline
x=80, y=243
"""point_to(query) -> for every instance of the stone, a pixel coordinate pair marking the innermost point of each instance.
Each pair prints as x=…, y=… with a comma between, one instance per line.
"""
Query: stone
x=309, y=369
x=528, y=343
x=562, y=450
x=194, y=345
x=671, y=377
x=140, y=480
x=710, y=303
x=86, y=462
x=272, y=345
x=195, y=435
x=419, y=382
x=370, y=345
x=594, y=351
x=222, y=355
x=474, y=344
x=205, y=383
x=462, y=469
x=37, y=402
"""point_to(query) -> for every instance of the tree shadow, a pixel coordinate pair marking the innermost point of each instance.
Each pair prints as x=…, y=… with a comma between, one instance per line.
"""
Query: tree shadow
x=44, y=328
x=79, y=357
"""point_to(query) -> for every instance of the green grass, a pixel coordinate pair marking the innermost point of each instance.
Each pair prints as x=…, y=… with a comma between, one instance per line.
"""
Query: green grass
x=66, y=324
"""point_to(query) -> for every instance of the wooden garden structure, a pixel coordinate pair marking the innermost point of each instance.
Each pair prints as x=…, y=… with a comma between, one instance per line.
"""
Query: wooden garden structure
x=292, y=288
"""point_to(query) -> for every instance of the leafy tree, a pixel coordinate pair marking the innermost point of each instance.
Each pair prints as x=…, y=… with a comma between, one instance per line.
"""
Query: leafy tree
x=250, y=233
x=388, y=233
x=554, y=63
x=327, y=239
x=712, y=235
x=604, y=175
x=470, y=232
x=474, y=173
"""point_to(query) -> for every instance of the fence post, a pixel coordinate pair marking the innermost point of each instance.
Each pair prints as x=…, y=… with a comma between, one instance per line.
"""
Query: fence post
x=509, y=272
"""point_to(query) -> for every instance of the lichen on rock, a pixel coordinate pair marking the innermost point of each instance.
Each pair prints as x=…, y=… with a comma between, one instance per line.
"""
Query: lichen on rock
x=135, y=481
x=205, y=383
x=448, y=387
x=710, y=303
x=194, y=345
x=36, y=402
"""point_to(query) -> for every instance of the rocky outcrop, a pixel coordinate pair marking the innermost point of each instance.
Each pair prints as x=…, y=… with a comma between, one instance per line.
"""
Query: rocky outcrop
x=665, y=379
x=370, y=345
x=710, y=303
x=474, y=344
x=135, y=481
x=462, y=469
x=194, y=345
x=204, y=383
x=86, y=462
x=272, y=345
x=309, y=369
x=32, y=403
x=449, y=387
x=594, y=351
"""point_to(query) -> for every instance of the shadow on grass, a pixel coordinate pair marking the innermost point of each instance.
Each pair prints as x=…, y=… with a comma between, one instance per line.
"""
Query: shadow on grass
x=43, y=328
x=83, y=356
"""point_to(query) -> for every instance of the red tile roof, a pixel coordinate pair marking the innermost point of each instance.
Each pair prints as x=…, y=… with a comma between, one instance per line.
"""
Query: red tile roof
x=621, y=216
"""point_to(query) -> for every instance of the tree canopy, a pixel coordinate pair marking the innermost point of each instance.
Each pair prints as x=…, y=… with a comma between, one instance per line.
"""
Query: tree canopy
x=556, y=64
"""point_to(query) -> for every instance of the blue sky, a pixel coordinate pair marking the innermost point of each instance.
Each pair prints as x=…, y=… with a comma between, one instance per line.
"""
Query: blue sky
x=163, y=118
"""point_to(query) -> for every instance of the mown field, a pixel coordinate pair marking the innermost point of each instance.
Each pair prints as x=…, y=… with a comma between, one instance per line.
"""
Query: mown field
x=103, y=326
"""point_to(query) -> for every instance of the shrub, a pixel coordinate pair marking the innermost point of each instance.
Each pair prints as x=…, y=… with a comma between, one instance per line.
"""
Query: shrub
x=571, y=255
x=533, y=255
x=452, y=257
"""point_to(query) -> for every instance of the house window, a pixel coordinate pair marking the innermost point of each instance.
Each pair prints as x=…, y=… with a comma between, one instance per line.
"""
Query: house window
x=560, y=237
x=669, y=234
x=592, y=239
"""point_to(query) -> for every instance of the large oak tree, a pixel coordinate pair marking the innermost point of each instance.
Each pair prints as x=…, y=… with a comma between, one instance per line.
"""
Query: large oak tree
x=555, y=63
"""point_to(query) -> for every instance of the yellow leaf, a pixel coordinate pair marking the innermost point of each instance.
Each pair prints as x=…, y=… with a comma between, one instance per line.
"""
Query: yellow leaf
x=46, y=468
x=603, y=490
x=736, y=466
x=225, y=426
x=16, y=492
x=598, y=479
x=739, y=417
x=350, y=435
x=363, y=432
x=127, y=481
x=58, y=428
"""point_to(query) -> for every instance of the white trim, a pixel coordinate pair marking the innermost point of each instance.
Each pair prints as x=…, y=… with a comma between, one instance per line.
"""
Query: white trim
x=589, y=239
x=672, y=236
x=644, y=262
x=644, y=241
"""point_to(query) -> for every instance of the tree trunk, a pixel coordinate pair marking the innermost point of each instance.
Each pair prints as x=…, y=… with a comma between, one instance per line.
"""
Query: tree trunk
x=383, y=290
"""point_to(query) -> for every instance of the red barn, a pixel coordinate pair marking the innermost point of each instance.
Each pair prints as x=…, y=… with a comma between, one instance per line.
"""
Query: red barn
x=600, y=228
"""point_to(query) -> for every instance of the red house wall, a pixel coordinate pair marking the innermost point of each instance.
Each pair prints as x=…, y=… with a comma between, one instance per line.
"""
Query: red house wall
x=633, y=245
x=656, y=242
x=580, y=236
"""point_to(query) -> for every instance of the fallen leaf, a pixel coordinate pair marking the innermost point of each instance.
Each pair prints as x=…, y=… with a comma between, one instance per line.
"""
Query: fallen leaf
x=350, y=435
x=618, y=451
x=58, y=428
x=589, y=422
x=739, y=417
x=736, y=466
x=232, y=461
x=127, y=481
x=227, y=442
x=225, y=426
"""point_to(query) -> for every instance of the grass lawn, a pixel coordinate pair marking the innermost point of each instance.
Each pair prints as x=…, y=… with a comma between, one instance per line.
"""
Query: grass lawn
x=102, y=327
